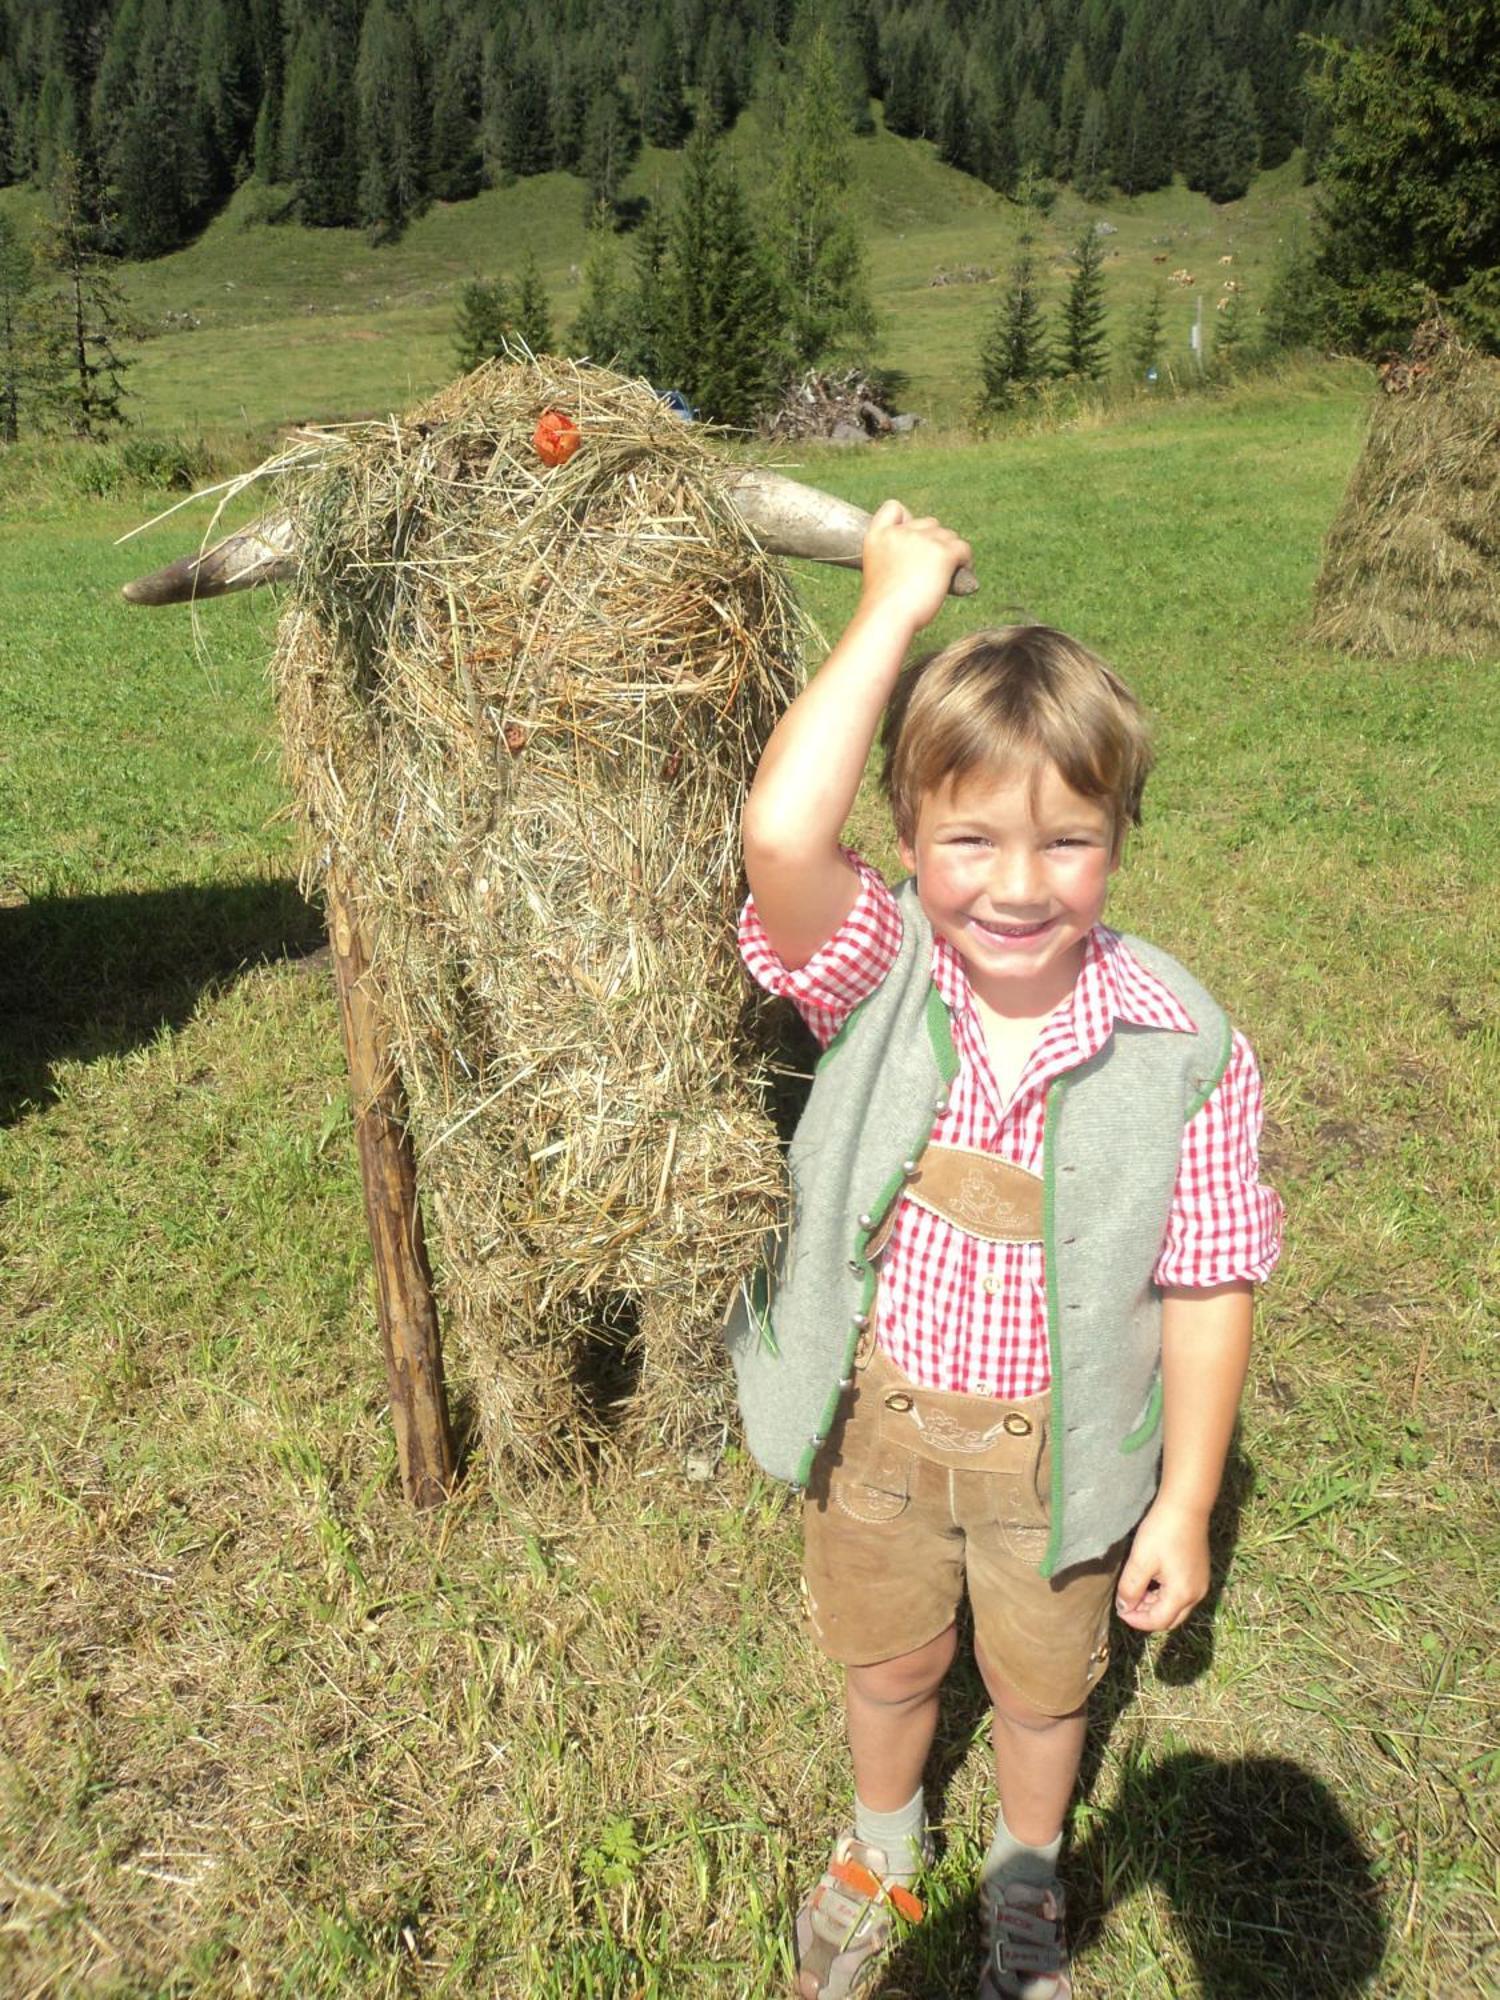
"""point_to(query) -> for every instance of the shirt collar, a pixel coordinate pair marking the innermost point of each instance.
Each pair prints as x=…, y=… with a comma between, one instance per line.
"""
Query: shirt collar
x=1112, y=986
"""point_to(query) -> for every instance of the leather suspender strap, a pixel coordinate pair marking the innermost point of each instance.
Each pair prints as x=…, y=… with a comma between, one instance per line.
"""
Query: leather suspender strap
x=985, y=1196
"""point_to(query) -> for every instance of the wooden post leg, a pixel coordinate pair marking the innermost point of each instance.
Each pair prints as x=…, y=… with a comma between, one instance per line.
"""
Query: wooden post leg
x=403, y=1277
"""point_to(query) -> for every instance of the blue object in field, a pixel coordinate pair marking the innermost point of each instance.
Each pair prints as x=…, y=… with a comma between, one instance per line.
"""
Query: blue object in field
x=678, y=404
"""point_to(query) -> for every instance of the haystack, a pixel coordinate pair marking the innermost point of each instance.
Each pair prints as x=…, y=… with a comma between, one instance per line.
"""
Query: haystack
x=520, y=706
x=1411, y=566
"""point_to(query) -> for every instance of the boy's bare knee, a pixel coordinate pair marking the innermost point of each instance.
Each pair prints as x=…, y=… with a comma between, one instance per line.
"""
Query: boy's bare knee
x=1012, y=1708
x=909, y=1677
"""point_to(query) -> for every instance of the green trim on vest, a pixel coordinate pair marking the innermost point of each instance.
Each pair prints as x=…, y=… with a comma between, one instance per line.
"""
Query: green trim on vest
x=1056, y=1091
x=940, y=1029
x=1149, y=1424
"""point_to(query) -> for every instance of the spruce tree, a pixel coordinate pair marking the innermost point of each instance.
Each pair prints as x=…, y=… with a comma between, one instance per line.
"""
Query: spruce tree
x=392, y=121
x=1236, y=153
x=17, y=359
x=83, y=317
x=522, y=114
x=721, y=73
x=611, y=141
x=1292, y=314
x=1090, y=163
x=605, y=318
x=1147, y=333
x=453, y=157
x=643, y=343
x=1410, y=175
x=1072, y=101
x=665, y=117
x=533, y=314
x=1083, y=339
x=814, y=245
x=318, y=144
x=721, y=343
x=1229, y=332
x=1014, y=357
x=1034, y=135
x=484, y=322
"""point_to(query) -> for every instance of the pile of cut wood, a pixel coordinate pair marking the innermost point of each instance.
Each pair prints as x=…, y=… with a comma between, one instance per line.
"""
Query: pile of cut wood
x=842, y=408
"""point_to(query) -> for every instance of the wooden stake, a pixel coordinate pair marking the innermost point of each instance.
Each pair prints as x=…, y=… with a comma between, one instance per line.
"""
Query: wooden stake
x=403, y=1277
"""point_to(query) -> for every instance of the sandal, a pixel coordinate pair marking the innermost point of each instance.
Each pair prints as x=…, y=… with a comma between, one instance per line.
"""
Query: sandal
x=846, y=1923
x=1025, y=1945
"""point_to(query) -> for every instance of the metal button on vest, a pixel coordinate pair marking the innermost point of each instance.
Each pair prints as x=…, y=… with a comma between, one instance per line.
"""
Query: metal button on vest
x=1017, y=1425
x=898, y=1400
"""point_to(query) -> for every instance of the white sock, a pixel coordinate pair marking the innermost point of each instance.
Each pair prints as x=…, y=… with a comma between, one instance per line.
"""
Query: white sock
x=1012, y=1860
x=900, y=1835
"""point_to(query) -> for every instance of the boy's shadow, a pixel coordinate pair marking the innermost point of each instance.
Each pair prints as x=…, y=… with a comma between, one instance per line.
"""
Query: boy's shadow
x=86, y=976
x=1272, y=1893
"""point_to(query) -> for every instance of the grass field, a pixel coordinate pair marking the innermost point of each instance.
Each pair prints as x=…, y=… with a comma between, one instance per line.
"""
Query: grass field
x=263, y=1732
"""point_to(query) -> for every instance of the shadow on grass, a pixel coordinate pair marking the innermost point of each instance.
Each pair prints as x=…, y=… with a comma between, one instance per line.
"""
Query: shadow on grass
x=88, y=976
x=1271, y=1895
x=1270, y=1890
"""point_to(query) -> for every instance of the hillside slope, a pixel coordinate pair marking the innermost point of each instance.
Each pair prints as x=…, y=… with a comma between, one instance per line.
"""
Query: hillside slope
x=261, y=322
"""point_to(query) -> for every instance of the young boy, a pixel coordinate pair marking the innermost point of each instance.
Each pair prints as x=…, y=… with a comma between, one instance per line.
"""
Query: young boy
x=1009, y=1323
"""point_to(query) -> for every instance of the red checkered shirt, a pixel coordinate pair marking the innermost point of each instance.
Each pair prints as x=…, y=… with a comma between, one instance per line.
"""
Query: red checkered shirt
x=957, y=1312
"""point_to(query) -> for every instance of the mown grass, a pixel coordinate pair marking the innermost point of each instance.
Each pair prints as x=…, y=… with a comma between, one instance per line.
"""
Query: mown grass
x=264, y=1732
x=295, y=324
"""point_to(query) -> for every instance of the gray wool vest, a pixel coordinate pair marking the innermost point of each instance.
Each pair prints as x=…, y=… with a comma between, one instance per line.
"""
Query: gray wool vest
x=1113, y=1140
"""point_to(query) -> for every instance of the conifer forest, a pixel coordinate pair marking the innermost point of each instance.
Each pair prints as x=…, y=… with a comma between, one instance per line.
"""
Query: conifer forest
x=365, y=111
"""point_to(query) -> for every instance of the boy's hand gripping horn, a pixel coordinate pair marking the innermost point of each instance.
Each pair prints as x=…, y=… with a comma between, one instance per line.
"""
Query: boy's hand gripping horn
x=785, y=517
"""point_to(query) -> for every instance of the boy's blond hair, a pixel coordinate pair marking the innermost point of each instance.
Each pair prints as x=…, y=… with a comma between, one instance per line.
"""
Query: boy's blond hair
x=1015, y=696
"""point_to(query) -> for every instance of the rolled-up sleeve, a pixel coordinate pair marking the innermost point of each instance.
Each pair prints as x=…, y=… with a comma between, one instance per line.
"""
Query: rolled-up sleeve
x=845, y=971
x=1225, y=1224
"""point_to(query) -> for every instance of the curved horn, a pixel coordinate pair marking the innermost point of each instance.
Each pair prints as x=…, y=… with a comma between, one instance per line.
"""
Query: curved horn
x=265, y=552
x=786, y=518
x=790, y=519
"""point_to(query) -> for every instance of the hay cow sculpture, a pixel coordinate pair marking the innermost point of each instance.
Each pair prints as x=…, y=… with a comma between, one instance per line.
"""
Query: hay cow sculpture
x=535, y=639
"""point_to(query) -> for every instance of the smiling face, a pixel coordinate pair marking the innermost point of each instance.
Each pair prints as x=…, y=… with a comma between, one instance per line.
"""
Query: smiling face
x=1013, y=870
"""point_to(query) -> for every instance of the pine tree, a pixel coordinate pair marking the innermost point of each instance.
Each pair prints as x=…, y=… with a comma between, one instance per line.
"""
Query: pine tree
x=1237, y=150
x=665, y=118
x=643, y=343
x=318, y=151
x=814, y=245
x=484, y=322
x=1222, y=143
x=605, y=318
x=1090, y=163
x=1229, y=332
x=1014, y=358
x=392, y=121
x=453, y=157
x=1293, y=311
x=992, y=144
x=1147, y=333
x=1034, y=136
x=83, y=317
x=17, y=360
x=1072, y=101
x=1083, y=341
x=611, y=141
x=721, y=336
x=533, y=313
x=521, y=115
x=721, y=73
x=1206, y=111
x=224, y=91
x=1410, y=175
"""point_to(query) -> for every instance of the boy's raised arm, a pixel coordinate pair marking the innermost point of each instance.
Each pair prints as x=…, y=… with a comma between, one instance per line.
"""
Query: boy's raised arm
x=810, y=770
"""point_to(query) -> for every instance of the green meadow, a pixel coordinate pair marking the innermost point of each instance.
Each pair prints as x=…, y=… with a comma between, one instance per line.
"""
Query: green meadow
x=289, y=325
x=265, y=1732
